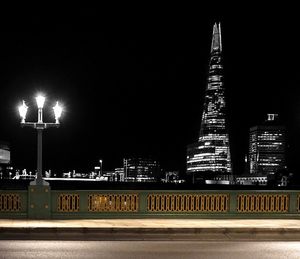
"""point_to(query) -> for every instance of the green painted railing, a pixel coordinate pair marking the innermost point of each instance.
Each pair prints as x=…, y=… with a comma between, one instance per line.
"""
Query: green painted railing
x=42, y=202
x=13, y=204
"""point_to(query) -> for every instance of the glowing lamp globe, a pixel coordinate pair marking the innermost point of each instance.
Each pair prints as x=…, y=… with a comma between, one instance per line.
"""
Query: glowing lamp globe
x=57, y=111
x=23, y=111
x=40, y=100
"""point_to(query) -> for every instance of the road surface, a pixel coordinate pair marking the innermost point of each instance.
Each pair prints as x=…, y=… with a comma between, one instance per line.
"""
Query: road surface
x=147, y=249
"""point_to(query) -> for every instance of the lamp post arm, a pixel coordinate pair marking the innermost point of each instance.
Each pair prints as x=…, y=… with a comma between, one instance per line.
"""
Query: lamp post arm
x=37, y=125
x=28, y=124
x=52, y=125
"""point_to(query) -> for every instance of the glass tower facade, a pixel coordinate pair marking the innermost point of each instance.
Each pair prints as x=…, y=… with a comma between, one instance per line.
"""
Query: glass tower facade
x=267, y=147
x=212, y=153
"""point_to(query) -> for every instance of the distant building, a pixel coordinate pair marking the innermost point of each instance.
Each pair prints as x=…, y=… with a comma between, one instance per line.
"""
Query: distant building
x=4, y=153
x=171, y=176
x=141, y=170
x=120, y=173
x=109, y=176
x=97, y=171
x=4, y=160
x=210, y=157
x=266, y=161
x=251, y=180
x=267, y=147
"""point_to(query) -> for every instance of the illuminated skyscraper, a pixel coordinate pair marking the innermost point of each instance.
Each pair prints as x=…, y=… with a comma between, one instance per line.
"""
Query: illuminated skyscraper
x=267, y=147
x=212, y=153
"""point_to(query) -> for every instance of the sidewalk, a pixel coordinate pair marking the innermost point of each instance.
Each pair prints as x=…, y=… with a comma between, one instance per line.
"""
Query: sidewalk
x=152, y=229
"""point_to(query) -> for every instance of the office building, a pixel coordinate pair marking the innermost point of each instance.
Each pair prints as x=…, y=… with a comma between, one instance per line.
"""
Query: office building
x=267, y=147
x=141, y=170
x=212, y=153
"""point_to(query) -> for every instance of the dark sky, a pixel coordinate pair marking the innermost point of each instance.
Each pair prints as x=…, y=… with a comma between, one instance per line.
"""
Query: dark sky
x=133, y=85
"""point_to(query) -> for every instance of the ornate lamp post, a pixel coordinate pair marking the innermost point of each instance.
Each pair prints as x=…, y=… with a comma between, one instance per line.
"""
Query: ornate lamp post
x=39, y=126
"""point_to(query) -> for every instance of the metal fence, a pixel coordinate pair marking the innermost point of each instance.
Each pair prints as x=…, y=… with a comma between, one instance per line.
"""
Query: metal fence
x=187, y=203
x=13, y=204
x=42, y=202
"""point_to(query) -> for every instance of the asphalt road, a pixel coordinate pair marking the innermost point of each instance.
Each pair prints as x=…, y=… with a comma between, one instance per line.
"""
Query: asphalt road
x=147, y=249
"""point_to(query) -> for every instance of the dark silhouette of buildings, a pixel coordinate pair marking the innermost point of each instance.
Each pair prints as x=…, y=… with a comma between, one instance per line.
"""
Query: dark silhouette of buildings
x=212, y=153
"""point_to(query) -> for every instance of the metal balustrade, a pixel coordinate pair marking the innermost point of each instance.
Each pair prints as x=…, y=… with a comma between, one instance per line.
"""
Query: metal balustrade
x=68, y=203
x=113, y=202
x=274, y=203
x=10, y=202
x=187, y=202
x=62, y=204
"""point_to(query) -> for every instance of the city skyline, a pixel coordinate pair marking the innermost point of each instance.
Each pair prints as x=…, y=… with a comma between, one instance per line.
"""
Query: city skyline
x=134, y=96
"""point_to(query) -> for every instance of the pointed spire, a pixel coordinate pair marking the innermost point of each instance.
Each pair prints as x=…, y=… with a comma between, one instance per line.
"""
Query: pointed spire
x=216, y=43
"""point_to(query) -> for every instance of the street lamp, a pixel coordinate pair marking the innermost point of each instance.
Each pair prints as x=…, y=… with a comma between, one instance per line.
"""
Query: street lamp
x=100, y=161
x=39, y=126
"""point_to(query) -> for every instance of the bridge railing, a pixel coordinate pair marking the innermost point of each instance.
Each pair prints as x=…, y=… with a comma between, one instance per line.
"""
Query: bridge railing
x=42, y=202
x=13, y=204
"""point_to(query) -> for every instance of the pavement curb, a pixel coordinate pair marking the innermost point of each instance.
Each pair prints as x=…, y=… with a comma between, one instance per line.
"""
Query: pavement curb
x=120, y=233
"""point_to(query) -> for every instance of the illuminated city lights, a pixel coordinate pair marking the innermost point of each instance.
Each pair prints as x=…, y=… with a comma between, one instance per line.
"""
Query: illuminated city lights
x=212, y=152
x=208, y=159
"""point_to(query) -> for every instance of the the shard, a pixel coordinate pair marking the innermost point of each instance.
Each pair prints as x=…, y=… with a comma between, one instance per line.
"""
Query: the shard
x=211, y=154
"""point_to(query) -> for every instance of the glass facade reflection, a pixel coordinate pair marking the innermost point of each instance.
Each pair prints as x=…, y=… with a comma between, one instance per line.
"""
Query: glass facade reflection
x=267, y=146
x=212, y=152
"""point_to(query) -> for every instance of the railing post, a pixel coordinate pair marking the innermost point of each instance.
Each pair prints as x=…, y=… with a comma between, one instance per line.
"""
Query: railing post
x=233, y=202
x=39, y=202
x=84, y=201
x=293, y=202
x=143, y=202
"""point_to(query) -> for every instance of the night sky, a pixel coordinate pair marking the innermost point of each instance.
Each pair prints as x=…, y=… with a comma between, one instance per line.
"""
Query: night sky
x=134, y=85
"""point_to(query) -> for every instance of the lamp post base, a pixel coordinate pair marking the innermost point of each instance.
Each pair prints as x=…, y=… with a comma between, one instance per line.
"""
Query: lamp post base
x=39, y=202
x=39, y=182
